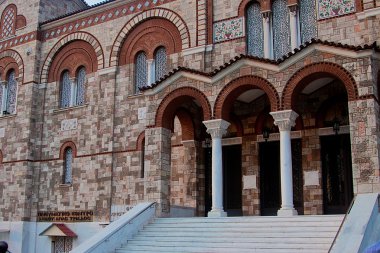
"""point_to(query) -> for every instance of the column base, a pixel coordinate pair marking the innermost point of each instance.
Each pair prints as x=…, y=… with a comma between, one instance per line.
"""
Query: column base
x=216, y=214
x=287, y=212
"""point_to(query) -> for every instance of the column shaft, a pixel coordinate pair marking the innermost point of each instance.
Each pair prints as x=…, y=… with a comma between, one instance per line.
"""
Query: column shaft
x=267, y=35
x=293, y=26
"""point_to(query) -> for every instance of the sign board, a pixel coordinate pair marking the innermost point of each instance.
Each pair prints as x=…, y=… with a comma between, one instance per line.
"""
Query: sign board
x=65, y=216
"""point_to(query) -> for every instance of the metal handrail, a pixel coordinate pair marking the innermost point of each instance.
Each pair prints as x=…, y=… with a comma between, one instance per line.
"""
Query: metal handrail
x=341, y=225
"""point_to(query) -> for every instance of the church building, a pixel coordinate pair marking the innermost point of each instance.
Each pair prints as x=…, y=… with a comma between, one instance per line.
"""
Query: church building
x=209, y=108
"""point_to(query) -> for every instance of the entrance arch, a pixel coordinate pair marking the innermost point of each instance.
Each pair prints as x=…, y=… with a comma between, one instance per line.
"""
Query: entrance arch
x=320, y=93
x=182, y=112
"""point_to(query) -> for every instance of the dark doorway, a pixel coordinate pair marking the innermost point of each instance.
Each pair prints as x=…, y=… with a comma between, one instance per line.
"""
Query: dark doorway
x=270, y=177
x=336, y=173
x=232, y=180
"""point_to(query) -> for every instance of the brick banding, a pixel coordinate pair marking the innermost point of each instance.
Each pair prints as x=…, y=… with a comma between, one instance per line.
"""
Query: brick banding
x=235, y=88
x=171, y=103
x=94, y=50
x=162, y=13
x=312, y=72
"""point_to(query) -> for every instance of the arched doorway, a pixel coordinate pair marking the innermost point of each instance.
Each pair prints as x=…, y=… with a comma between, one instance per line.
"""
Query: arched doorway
x=321, y=98
x=241, y=102
x=182, y=112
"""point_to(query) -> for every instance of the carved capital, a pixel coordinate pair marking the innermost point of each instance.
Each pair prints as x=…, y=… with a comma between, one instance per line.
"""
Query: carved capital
x=216, y=127
x=293, y=10
x=266, y=16
x=285, y=120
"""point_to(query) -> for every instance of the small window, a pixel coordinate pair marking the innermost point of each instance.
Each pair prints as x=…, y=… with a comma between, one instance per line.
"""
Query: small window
x=8, y=91
x=72, y=91
x=67, y=166
x=8, y=21
x=141, y=71
x=160, y=59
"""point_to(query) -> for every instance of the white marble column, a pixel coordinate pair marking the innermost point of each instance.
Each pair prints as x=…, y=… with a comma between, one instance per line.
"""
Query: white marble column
x=267, y=35
x=217, y=128
x=285, y=120
x=151, y=72
x=293, y=16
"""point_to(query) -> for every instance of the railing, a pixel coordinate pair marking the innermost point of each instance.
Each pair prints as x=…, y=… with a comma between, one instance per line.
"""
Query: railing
x=341, y=224
x=111, y=237
x=360, y=227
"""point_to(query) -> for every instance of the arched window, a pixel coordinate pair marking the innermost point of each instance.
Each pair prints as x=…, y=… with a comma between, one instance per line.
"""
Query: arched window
x=281, y=28
x=254, y=28
x=8, y=21
x=80, y=86
x=142, y=158
x=8, y=93
x=72, y=93
x=308, y=20
x=160, y=59
x=141, y=71
x=65, y=91
x=67, y=166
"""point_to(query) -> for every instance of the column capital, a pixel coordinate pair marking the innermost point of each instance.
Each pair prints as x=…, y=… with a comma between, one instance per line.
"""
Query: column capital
x=266, y=16
x=216, y=127
x=285, y=120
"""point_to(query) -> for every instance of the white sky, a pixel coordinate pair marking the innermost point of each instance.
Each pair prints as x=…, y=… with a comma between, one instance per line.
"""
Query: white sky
x=92, y=2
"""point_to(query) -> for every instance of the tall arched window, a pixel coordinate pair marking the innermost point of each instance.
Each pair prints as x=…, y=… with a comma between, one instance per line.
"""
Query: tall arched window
x=8, y=94
x=141, y=71
x=160, y=59
x=80, y=86
x=308, y=20
x=72, y=92
x=8, y=21
x=65, y=91
x=67, y=166
x=254, y=28
x=281, y=28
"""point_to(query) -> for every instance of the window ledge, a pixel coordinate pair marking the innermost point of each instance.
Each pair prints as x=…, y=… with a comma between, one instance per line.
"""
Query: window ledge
x=65, y=185
x=59, y=110
x=7, y=116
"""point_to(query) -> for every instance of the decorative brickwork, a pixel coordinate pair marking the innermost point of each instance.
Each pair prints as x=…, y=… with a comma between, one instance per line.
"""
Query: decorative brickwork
x=312, y=72
x=154, y=13
x=169, y=105
x=91, y=55
x=11, y=60
x=235, y=88
x=68, y=144
x=141, y=39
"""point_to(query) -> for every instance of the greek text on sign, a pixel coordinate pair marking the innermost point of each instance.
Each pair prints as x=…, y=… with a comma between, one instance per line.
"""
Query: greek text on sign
x=69, y=124
x=65, y=216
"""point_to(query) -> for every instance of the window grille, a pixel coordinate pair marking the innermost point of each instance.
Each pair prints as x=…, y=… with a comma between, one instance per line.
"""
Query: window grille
x=160, y=61
x=8, y=25
x=65, y=90
x=281, y=28
x=141, y=68
x=81, y=81
x=68, y=166
x=11, y=93
x=308, y=20
x=254, y=27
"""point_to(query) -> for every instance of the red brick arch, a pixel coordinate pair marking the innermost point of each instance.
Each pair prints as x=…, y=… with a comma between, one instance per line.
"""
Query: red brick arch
x=91, y=54
x=235, y=88
x=67, y=144
x=140, y=141
x=11, y=60
x=171, y=103
x=147, y=37
x=312, y=72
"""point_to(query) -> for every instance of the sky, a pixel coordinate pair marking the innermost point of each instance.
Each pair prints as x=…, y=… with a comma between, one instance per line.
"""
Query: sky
x=92, y=2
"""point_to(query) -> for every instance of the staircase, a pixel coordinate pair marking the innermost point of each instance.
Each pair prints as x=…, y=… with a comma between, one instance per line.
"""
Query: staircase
x=311, y=234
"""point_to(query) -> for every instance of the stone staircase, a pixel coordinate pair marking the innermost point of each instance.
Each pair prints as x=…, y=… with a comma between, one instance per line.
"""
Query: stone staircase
x=311, y=234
